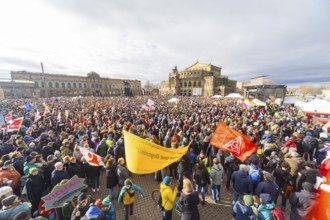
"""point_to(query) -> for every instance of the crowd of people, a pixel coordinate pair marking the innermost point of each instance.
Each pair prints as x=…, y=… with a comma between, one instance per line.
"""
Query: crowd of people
x=291, y=165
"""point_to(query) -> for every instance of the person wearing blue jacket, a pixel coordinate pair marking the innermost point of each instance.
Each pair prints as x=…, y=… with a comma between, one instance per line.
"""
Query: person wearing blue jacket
x=127, y=196
x=242, y=183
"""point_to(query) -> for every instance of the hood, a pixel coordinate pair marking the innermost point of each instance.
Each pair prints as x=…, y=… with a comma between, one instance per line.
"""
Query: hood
x=242, y=173
x=244, y=209
x=163, y=187
x=269, y=206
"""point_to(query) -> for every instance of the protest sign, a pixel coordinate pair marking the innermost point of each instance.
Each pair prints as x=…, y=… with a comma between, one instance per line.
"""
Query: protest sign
x=63, y=193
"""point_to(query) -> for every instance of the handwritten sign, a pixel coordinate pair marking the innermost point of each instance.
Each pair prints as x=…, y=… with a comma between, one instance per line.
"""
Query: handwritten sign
x=63, y=193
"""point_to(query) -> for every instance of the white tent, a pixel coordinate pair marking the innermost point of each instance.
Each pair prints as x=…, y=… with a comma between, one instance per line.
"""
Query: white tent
x=290, y=100
x=259, y=102
x=175, y=100
x=317, y=105
x=217, y=96
x=234, y=95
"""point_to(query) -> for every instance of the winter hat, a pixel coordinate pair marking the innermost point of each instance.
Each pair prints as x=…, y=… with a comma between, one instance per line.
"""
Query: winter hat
x=268, y=176
x=167, y=180
x=308, y=187
x=128, y=182
x=121, y=161
x=260, y=151
x=106, y=202
x=9, y=200
x=265, y=198
x=8, y=162
x=29, y=158
x=248, y=200
x=98, y=203
x=32, y=170
x=93, y=212
x=4, y=190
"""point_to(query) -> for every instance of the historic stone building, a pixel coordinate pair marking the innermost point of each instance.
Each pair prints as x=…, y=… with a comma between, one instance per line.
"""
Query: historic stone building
x=71, y=85
x=198, y=80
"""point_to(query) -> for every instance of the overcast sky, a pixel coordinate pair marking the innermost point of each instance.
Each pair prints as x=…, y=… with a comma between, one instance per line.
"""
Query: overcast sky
x=144, y=39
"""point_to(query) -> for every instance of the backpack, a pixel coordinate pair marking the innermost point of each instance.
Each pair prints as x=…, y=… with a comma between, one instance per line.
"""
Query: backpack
x=277, y=213
x=255, y=175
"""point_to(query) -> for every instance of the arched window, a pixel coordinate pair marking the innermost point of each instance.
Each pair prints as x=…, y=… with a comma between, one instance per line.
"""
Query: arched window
x=199, y=83
x=194, y=84
x=184, y=84
x=80, y=85
x=85, y=85
x=74, y=85
x=63, y=85
x=50, y=84
x=69, y=85
x=57, y=85
x=109, y=86
x=105, y=86
x=180, y=84
x=189, y=84
x=97, y=86
x=93, y=85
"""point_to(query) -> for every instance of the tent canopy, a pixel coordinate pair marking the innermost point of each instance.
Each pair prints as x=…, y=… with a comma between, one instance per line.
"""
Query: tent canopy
x=259, y=102
x=175, y=100
x=234, y=95
x=217, y=96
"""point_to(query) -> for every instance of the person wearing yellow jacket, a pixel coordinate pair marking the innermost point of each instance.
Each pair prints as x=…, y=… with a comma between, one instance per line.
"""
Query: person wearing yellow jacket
x=168, y=197
x=127, y=196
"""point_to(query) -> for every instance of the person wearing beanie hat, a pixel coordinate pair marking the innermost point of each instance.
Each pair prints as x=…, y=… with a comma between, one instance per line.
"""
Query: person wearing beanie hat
x=127, y=195
x=264, y=209
x=108, y=210
x=12, y=206
x=34, y=188
x=303, y=203
x=168, y=197
x=242, y=209
x=29, y=163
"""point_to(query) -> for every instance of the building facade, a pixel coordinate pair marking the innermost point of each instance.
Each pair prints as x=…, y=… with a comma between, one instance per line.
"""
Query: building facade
x=198, y=80
x=70, y=85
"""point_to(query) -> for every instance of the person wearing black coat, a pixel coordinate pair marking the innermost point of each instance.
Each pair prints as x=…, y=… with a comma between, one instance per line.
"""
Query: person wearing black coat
x=282, y=176
x=268, y=186
x=34, y=188
x=58, y=174
x=189, y=199
x=112, y=178
x=47, y=170
x=18, y=162
x=93, y=174
x=76, y=168
x=231, y=165
x=47, y=150
x=309, y=174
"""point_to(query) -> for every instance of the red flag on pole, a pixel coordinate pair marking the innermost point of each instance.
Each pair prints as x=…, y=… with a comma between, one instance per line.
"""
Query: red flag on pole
x=229, y=140
x=15, y=125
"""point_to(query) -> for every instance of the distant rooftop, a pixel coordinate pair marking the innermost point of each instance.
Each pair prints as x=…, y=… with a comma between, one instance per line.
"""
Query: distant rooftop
x=15, y=81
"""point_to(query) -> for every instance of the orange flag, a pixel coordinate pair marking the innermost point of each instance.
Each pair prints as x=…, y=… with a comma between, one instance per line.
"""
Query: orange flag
x=229, y=140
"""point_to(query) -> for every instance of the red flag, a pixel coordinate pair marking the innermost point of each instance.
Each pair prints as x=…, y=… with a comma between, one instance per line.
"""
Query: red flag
x=229, y=140
x=92, y=158
x=9, y=116
x=15, y=125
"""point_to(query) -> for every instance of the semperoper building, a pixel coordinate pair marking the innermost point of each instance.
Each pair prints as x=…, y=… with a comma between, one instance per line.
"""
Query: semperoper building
x=38, y=85
x=198, y=80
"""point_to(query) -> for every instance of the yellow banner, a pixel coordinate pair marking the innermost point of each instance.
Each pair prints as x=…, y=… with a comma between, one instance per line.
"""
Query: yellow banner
x=143, y=156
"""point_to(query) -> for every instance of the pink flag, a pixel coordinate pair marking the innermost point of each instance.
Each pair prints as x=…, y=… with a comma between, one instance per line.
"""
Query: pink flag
x=92, y=158
x=15, y=125
x=59, y=117
x=46, y=112
x=37, y=116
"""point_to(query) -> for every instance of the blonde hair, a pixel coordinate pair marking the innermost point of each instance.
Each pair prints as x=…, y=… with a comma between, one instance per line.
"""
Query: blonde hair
x=187, y=186
x=121, y=161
